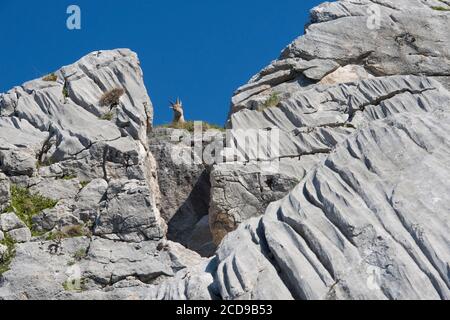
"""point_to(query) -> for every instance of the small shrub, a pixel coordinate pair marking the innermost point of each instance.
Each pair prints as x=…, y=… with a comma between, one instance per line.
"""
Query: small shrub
x=440, y=8
x=27, y=205
x=272, y=101
x=84, y=184
x=111, y=98
x=190, y=126
x=74, y=231
x=65, y=92
x=50, y=78
x=76, y=285
x=7, y=258
x=107, y=116
x=69, y=177
x=80, y=255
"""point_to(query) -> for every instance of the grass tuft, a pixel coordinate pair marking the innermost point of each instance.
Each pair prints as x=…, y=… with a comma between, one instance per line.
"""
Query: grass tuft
x=111, y=98
x=73, y=231
x=7, y=258
x=108, y=116
x=440, y=8
x=80, y=255
x=27, y=205
x=75, y=285
x=190, y=126
x=84, y=184
x=50, y=78
x=272, y=101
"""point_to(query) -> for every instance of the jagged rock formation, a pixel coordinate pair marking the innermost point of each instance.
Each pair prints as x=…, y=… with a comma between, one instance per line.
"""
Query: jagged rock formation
x=369, y=218
x=330, y=82
x=352, y=205
x=184, y=182
x=105, y=231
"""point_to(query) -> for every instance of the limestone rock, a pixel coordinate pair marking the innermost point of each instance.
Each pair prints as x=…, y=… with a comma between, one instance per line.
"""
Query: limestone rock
x=3, y=249
x=10, y=221
x=129, y=212
x=57, y=189
x=184, y=182
x=351, y=204
x=5, y=193
x=17, y=162
x=353, y=228
x=20, y=235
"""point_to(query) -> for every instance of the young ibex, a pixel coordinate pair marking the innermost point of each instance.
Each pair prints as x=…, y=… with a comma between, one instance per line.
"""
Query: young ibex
x=178, y=113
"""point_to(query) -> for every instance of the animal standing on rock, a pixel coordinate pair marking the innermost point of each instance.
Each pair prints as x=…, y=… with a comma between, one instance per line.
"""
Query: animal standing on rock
x=178, y=113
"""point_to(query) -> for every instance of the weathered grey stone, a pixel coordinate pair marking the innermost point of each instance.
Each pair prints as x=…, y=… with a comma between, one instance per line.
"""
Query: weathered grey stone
x=5, y=193
x=239, y=256
x=311, y=123
x=346, y=74
x=355, y=227
x=184, y=184
x=2, y=235
x=20, y=235
x=241, y=192
x=130, y=212
x=47, y=219
x=9, y=221
x=57, y=189
x=82, y=268
x=92, y=193
x=108, y=262
x=17, y=162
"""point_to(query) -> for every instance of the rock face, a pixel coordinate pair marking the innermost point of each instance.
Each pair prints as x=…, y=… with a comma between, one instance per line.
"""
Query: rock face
x=357, y=114
x=326, y=85
x=347, y=200
x=184, y=182
x=105, y=231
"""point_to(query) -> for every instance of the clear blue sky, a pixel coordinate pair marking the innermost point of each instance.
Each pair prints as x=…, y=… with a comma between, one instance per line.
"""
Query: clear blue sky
x=200, y=50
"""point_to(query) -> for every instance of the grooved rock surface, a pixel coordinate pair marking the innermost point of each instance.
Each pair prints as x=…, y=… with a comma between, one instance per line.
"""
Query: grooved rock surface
x=105, y=236
x=184, y=182
x=365, y=115
x=371, y=222
x=326, y=85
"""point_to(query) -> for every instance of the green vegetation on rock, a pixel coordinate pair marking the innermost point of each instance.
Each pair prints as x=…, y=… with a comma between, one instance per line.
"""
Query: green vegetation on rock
x=6, y=260
x=190, y=126
x=50, y=78
x=27, y=205
x=108, y=116
x=73, y=231
x=272, y=101
x=439, y=8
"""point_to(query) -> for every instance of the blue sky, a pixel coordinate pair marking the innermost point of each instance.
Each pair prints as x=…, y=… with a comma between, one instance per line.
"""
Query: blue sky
x=200, y=50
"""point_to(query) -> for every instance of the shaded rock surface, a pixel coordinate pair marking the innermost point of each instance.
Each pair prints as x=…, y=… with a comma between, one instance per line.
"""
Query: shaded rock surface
x=184, y=182
x=364, y=111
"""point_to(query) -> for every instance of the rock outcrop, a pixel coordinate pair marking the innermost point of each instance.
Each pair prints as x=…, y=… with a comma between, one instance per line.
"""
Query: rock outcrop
x=184, y=182
x=79, y=188
x=348, y=200
x=368, y=112
x=328, y=84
